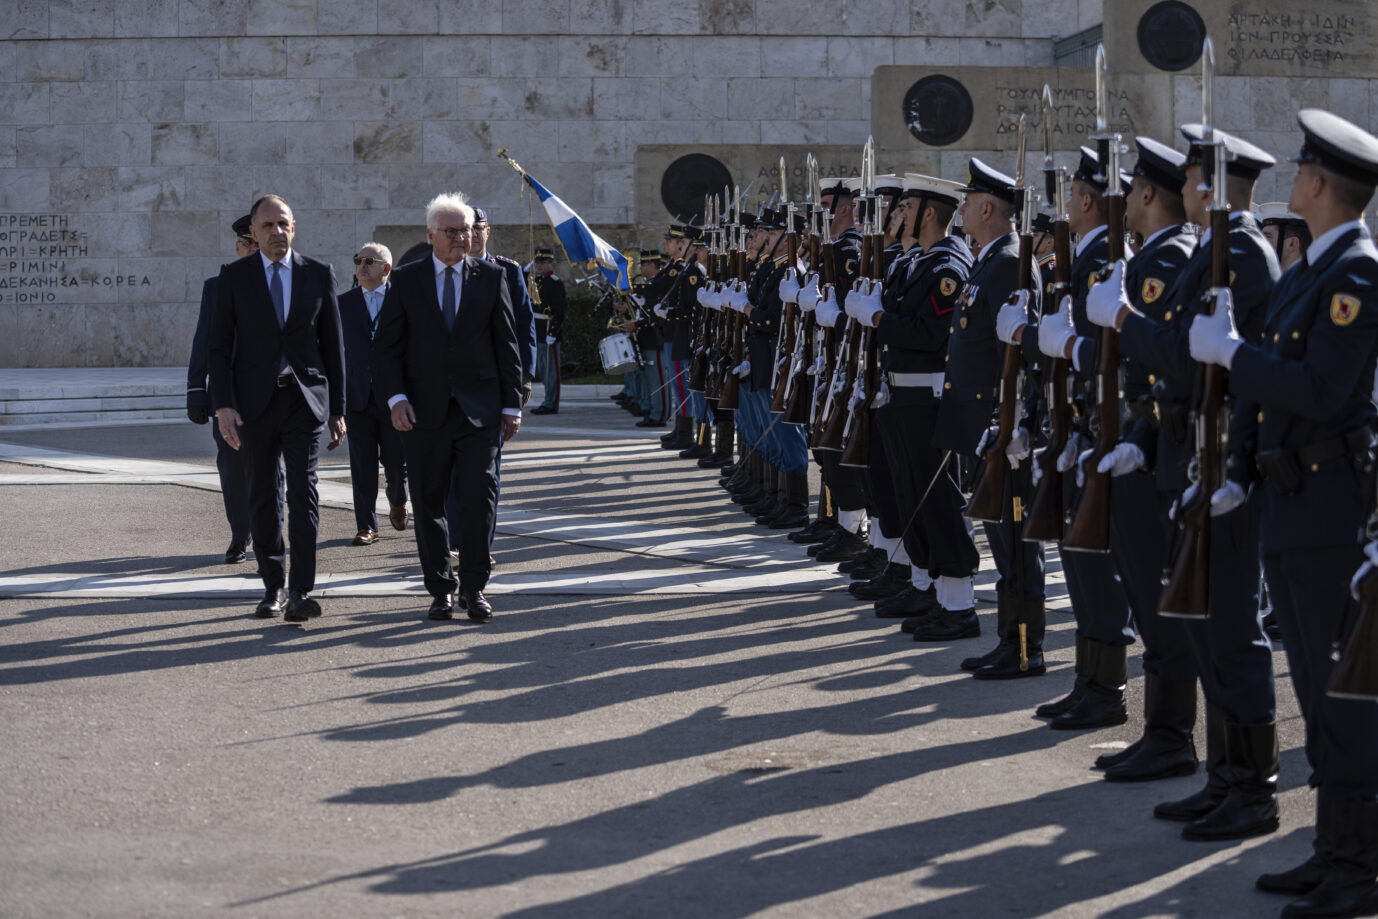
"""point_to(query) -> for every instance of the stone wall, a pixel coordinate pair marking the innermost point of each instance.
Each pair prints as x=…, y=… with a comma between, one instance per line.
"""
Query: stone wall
x=132, y=134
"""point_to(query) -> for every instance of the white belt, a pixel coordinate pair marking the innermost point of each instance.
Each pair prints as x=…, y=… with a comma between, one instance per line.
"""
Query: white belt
x=540, y=316
x=932, y=381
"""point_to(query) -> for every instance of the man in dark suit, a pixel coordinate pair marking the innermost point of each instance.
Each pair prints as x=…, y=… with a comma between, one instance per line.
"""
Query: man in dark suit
x=447, y=353
x=277, y=375
x=234, y=486
x=372, y=438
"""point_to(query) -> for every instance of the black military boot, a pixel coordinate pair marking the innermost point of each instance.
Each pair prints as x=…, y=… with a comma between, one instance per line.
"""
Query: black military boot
x=1012, y=665
x=702, y=445
x=909, y=602
x=1102, y=703
x=1005, y=613
x=893, y=580
x=795, y=512
x=778, y=500
x=681, y=437
x=768, y=496
x=1194, y=807
x=948, y=625
x=823, y=525
x=843, y=545
x=1250, y=806
x=723, y=454
x=1350, y=887
x=1166, y=749
x=1309, y=875
x=868, y=566
x=1069, y=701
x=753, y=489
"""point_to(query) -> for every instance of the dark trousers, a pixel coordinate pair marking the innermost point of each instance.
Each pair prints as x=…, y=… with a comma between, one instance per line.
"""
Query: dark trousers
x=1310, y=591
x=453, y=515
x=1098, y=601
x=1140, y=555
x=234, y=487
x=373, y=440
x=936, y=537
x=848, y=485
x=880, y=482
x=463, y=457
x=289, y=431
x=1019, y=563
x=1233, y=658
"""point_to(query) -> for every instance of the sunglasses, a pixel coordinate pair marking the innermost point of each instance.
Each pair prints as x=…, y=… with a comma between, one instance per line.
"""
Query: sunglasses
x=366, y=260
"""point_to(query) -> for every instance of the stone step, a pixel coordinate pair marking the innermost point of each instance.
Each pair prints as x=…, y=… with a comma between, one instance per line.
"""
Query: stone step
x=133, y=416
x=103, y=403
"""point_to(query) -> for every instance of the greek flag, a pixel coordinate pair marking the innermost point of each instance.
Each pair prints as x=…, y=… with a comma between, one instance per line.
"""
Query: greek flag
x=582, y=246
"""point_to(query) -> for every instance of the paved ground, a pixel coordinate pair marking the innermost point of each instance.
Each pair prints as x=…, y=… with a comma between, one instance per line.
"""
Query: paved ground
x=670, y=715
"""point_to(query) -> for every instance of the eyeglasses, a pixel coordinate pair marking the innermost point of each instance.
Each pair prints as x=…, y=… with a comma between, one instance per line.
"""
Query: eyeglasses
x=367, y=261
x=453, y=232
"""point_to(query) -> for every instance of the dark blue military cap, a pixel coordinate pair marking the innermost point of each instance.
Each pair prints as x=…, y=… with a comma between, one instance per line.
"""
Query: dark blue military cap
x=479, y=216
x=1160, y=165
x=981, y=179
x=1246, y=161
x=242, y=226
x=544, y=254
x=771, y=219
x=1088, y=170
x=652, y=255
x=1335, y=144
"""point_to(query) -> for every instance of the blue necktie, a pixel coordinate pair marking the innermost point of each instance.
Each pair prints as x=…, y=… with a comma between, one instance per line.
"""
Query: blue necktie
x=448, y=306
x=275, y=288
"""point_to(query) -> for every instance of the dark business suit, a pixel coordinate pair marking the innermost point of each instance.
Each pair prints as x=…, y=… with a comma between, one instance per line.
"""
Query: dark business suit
x=372, y=438
x=247, y=350
x=234, y=485
x=458, y=381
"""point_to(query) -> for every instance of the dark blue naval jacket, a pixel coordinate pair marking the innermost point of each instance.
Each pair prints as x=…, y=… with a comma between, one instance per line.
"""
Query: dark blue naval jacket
x=1309, y=379
x=971, y=390
x=920, y=302
x=1159, y=339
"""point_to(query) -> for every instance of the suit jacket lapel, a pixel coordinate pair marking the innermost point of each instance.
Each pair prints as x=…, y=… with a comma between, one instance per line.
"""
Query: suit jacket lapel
x=296, y=310
x=469, y=289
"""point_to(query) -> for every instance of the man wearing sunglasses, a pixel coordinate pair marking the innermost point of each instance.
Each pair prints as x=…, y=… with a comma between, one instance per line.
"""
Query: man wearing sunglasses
x=372, y=438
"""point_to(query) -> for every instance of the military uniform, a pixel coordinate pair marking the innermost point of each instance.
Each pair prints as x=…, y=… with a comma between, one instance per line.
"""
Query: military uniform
x=550, y=318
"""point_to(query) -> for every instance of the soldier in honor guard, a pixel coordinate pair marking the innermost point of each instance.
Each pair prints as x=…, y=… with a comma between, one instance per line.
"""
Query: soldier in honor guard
x=1233, y=658
x=651, y=290
x=937, y=599
x=1305, y=385
x=653, y=390
x=1154, y=213
x=970, y=400
x=685, y=276
x=1285, y=231
x=550, y=294
x=848, y=486
x=1098, y=602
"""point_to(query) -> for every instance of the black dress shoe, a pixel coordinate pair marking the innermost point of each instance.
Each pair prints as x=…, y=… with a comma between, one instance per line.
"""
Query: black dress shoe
x=274, y=599
x=236, y=553
x=1007, y=666
x=476, y=605
x=843, y=546
x=1097, y=708
x=442, y=608
x=544, y=410
x=649, y=422
x=301, y=606
x=914, y=623
x=788, y=518
x=951, y=625
x=907, y=603
x=869, y=566
x=818, y=531
x=972, y=664
x=893, y=580
x=1153, y=757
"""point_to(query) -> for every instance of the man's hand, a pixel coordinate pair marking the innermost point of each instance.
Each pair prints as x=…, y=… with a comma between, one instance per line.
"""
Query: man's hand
x=402, y=416
x=1057, y=331
x=1213, y=339
x=511, y=424
x=196, y=408
x=1122, y=460
x=526, y=390
x=229, y=423
x=1104, y=301
x=1012, y=318
x=337, y=431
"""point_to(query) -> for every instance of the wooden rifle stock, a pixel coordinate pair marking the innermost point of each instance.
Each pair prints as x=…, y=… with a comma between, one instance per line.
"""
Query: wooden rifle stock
x=1356, y=675
x=729, y=394
x=1187, y=594
x=988, y=500
x=844, y=374
x=800, y=384
x=856, y=437
x=784, y=349
x=1090, y=528
x=1044, y=519
x=826, y=349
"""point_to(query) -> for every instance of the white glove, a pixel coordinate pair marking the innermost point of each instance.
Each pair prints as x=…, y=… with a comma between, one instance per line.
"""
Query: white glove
x=827, y=309
x=1068, y=457
x=1057, y=330
x=1122, y=460
x=1081, y=466
x=550, y=339
x=661, y=311
x=789, y=287
x=1365, y=570
x=736, y=299
x=1105, y=299
x=1214, y=339
x=1019, y=447
x=987, y=437
x=882, y=398
x=705, y=296
x=808, y=295
x=865, y=307
x=743, y=369
x=1226, y=498
x=1012, y=317
x=638, y=299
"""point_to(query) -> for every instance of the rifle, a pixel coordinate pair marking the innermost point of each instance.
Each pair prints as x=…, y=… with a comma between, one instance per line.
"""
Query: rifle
x=835, y=410
x=856, y=437
x=784, y=344
x=701, y=336
x=823, y=338
x=1187, y=594
x=988, y=500
x=730, y=390
x=1044, y=520
x=799, y=386
x=1356, y=672
x=1090, y=527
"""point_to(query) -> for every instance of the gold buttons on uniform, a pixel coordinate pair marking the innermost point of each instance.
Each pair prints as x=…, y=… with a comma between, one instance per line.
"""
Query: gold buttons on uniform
x=1152, y=378
x=947, y=386
x=1167, y=317
x=1296, y=335
x=950, y=330
x=978, y=395
x=962, y=322
x=1260, y=417
x=1314, y=467
x=1276, y=336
